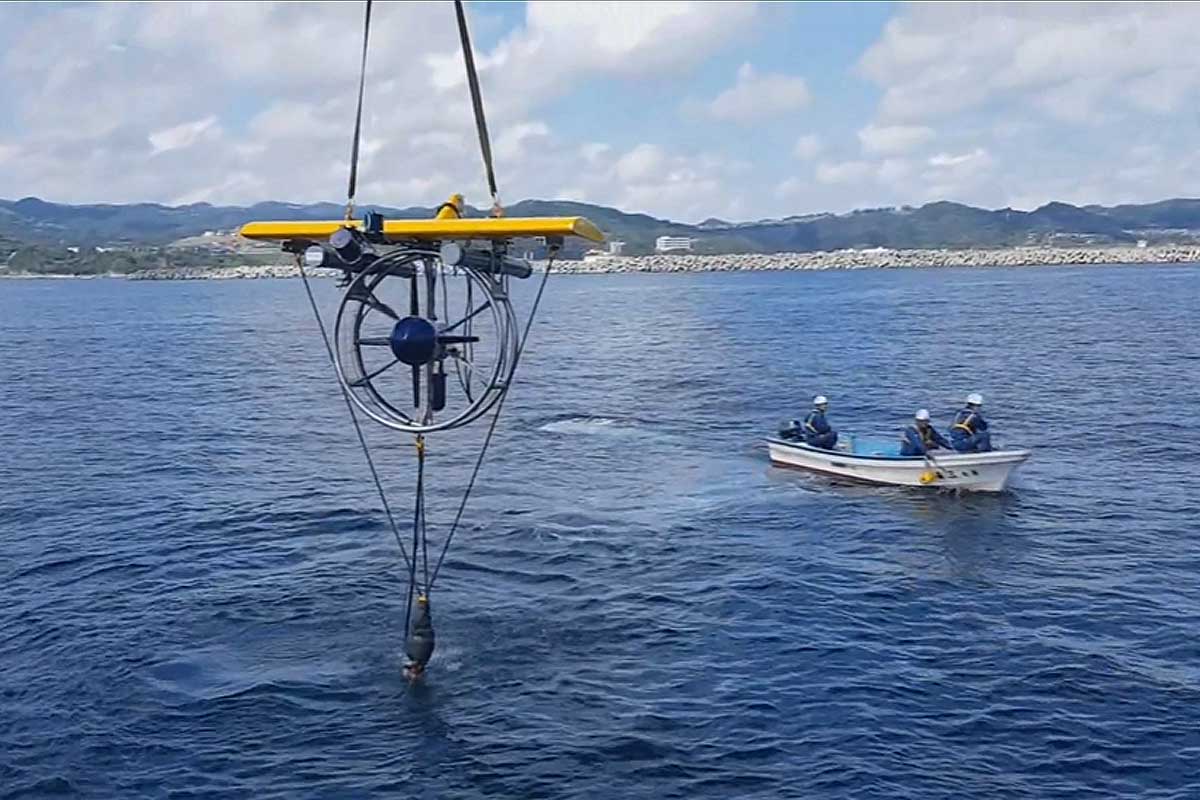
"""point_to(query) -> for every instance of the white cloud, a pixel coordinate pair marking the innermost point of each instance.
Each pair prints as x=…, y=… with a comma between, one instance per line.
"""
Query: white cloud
x=758, y=96
x=185, y=135
x=93, y=91
x=511, y=142
x=167, y=93
x=1078, y=102
x=440, y=140
x=1136, y=173
x=648, y=178
x=1034, y=101
x=957, y=175
x=297, y=121
x=946, y=175
x=593, y=151
x=893, y=139
x=894, y=170
x=789, y=188
x=643, y=163
x=807, y=147
x=842, y=171
x=974, y=159
x=563, y=43
x=574, y=193
x=417, y=186
x=1067, y=60
x=235, y=103
x=1162, y=92
x=1013, y=127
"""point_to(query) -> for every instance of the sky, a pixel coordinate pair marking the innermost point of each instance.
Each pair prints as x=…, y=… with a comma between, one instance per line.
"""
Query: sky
x=684, y=110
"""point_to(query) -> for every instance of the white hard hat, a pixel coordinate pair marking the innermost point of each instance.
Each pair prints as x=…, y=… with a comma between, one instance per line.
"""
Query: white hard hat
x=975, y=399
x=923, y=415
x=820, y=400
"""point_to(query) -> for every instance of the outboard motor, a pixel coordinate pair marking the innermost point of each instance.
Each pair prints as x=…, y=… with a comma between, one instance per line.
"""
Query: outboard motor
x=791, y=430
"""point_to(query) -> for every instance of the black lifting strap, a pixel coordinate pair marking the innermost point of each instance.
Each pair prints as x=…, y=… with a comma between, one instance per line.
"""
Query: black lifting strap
x=485, y=145
x=362, y=82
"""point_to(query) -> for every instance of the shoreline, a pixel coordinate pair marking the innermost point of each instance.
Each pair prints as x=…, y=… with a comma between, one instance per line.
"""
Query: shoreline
x=875, y=258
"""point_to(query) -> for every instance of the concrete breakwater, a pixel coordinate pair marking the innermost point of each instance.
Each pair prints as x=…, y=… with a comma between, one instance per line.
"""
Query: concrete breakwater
x=881, y=258
x=878, y=258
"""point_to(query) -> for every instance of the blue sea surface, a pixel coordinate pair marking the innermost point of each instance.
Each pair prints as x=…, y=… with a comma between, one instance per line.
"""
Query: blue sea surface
x=200, y=596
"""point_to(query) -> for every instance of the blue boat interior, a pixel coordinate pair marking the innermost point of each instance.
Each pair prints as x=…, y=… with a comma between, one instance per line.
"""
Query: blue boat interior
x=867, y=447
x=861, y=446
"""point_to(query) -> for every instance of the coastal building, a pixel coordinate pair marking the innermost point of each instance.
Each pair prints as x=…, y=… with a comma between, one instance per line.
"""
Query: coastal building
x=616, y=248
x=668, y=244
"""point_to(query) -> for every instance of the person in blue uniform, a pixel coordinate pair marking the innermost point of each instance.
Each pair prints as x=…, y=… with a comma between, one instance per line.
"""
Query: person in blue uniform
x=921, y=437
x=969, y=433
x=817, y=432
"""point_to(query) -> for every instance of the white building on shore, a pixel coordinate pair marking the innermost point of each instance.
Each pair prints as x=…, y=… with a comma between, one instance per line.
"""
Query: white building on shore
x=668, y=244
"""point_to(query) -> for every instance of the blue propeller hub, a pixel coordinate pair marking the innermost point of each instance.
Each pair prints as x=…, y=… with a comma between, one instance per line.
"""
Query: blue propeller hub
x=414, y=341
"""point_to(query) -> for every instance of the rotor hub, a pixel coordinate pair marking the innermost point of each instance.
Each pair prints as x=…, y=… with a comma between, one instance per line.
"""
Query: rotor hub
x=414, y=341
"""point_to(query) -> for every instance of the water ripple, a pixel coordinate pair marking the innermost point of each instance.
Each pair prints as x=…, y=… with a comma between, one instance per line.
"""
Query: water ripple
x=200, y=597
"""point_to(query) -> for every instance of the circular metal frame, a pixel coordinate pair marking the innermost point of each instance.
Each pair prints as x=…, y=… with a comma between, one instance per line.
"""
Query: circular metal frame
x=380, y=408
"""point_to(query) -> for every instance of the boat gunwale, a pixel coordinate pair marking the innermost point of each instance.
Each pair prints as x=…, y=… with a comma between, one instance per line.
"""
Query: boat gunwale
x=950, y=457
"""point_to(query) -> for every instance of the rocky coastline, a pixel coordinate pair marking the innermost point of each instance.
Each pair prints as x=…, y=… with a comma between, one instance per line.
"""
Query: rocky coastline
x=230, y=273
x=875, y=258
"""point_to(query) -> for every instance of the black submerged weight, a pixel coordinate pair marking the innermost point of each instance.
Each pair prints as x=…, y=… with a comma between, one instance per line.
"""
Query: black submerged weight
x=419, y=646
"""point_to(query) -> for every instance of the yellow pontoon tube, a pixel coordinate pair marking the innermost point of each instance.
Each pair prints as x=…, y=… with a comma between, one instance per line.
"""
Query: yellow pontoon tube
x=402, y=230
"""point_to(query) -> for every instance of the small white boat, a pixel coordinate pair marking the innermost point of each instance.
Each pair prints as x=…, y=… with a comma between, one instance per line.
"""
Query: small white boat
x=879, y=461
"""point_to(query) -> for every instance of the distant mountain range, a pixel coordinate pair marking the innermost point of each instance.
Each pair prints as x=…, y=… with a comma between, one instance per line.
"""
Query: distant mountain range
x=941, y=224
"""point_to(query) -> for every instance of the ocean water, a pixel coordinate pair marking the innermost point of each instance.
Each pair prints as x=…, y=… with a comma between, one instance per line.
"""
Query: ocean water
x=200, y=597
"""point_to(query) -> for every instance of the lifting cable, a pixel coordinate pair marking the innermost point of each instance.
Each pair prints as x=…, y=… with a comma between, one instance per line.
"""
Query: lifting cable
x=362, y=440
x=495, y=418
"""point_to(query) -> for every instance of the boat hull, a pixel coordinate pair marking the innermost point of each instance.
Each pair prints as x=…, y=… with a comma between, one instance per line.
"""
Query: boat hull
x=976, y=472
